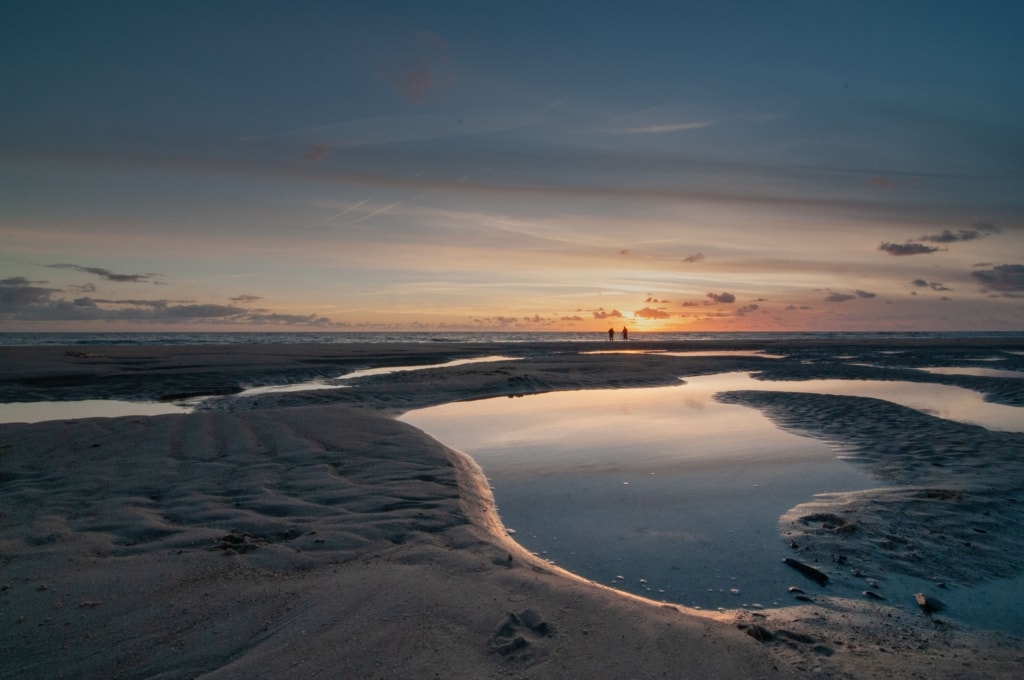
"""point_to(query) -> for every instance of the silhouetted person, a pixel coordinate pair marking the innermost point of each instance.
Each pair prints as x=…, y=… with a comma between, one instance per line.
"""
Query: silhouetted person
x=625, y=333
x=611, y=334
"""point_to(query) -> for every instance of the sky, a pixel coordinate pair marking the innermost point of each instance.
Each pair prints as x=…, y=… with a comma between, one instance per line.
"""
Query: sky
x=796, y=165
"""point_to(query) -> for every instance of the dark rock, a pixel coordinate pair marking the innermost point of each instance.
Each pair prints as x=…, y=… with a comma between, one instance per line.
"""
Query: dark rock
x=807, y=570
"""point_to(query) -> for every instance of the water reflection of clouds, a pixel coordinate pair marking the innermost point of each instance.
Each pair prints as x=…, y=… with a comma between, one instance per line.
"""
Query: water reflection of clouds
x=945, y=401
x=39, y=411
x=974, y=370
x=636, y=482
x=695, y=353
x=332, y=384
x=663, y=483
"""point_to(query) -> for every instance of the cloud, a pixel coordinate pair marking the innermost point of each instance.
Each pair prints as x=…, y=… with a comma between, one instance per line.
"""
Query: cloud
x=934, y=285
x=887, y=183
x=845, y=297
x=91, y=302
x=501, y=320
x=1005, y=277
x=901, y=249
x=979, y=230
x=290, y=320
x=650, y=313
x=18, y=293
x=624, y=251
x=722, y=298
x=747, y=309
x=244, y=299
x=652, y=300
x=316, y=153
x=106, y=273
x=19, y=300
x=691, y=304
x=662, y=129
x=792, y=308
x=429, y=69
x=601, y=314
x=696, y=257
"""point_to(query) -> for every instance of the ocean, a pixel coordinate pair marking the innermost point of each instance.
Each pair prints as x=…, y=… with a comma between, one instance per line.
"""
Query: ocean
x=290, y=338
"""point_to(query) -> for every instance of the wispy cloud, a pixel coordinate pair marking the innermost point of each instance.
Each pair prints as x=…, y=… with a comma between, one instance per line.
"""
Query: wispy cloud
x=833, y=296
x=374, y=213
x=662, y=129
x=428, y=68
x=21, y=300
x=904, y=249
x=724, y=298
x=155, y=304
x=106, y=273
x=316, y=153
x=19, y=281
x=917, y=246
x=555, y=103
x=934, y=285
x=978, y=230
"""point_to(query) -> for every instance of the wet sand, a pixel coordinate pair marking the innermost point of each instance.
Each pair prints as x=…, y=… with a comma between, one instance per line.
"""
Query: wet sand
x=311, y=534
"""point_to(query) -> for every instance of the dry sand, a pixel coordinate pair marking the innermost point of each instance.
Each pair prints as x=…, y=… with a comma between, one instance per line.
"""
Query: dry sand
x=312, y=535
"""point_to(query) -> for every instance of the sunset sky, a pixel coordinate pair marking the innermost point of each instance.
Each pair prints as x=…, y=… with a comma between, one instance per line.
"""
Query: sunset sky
x=801, y=165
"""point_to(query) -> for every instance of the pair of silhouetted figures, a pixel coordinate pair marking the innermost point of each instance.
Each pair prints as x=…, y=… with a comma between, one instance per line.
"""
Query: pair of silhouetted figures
x=611, y=334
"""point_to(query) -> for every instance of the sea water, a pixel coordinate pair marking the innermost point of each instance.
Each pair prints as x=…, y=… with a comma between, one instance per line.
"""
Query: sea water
x=664, y=492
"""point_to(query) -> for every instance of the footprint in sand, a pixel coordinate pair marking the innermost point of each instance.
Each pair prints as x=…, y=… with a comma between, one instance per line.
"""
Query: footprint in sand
x=519, y=635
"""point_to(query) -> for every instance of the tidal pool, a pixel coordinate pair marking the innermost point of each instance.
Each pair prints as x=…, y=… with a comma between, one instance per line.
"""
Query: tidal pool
x=332, y=383
x=974, y=370
x=666, y=492
x=945, y=401
x=38, y=411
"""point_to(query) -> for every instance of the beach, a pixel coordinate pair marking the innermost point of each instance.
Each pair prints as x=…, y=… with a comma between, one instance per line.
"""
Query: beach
x=312, y=534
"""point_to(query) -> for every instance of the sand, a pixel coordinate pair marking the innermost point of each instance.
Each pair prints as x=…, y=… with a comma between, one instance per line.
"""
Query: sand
x=311, y=534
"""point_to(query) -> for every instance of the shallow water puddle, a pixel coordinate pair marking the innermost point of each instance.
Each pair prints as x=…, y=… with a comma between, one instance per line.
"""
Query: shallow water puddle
x=38, y=411
x=974, y=370
x=694, y=353
x=382, y=370
x=667, y=492
x=944, y=401
x=663, y=491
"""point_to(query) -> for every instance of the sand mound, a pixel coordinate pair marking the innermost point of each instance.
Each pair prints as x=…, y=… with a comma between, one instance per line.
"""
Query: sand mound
x=313, y=542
